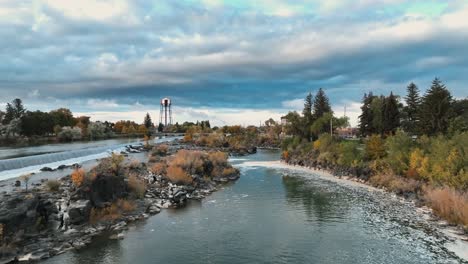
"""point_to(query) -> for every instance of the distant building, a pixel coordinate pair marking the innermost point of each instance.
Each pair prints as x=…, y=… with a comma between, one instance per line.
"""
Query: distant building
x=347, y=132
x=284, y=121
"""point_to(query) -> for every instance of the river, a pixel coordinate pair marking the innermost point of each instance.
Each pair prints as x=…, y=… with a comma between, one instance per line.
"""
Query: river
x=276, y=214
x=16, y=161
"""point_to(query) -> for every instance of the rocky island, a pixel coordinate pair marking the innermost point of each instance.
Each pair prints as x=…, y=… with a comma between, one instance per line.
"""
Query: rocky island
x=60, y=215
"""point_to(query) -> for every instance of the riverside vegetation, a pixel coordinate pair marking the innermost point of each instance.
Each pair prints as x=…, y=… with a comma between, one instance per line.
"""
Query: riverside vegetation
x=419, y=150
x=59, y=215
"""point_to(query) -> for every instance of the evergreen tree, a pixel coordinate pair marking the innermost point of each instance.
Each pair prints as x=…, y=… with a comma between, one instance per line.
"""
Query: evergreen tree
x=160, y=127
x=365, y=119
x=307, y=113
x=321, y=104
x=148, y=122
x=14, y=110
x=19, y=108
x=9, y=114
x=411, y=110
x=377, y=114
x=391, y=115
x=436, y=109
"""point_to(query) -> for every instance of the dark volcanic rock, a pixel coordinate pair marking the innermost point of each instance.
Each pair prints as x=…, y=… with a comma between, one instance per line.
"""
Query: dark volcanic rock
x=106, y=189
x=79, y=212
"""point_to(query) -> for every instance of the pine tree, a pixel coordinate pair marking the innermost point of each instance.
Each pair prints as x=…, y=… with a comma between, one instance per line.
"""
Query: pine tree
x=307, y=113
x=411, y=110
x=9, y=114
x=148, y=122
x=391, y=115
x=18, y=108
x=436, y=109
x=321, y=104
x=365, y=119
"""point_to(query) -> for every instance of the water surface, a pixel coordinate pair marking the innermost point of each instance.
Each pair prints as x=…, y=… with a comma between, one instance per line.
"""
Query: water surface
x=274, y=215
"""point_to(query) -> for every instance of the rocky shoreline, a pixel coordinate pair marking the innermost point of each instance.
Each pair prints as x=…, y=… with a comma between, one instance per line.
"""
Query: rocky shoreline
x=40, y=223
x=362, y=176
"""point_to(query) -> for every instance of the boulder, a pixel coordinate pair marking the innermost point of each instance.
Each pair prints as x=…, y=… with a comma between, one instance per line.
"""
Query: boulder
x=105, y=189
x=79, y=212
x=47, y=169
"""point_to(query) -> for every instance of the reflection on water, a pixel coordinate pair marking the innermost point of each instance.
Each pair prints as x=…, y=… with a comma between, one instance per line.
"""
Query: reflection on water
x=268, y=218
x=319, y=203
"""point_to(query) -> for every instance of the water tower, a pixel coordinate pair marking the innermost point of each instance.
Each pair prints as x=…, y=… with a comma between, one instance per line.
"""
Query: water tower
x=165, y=116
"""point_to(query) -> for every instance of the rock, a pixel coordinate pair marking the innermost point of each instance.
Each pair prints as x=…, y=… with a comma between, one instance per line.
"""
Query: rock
x=118, y=236
x=153, y=209
x=62, y=167
x=17, y=183
x=47, y=169
x=119, y=226
x=105, y=189
x=79, y=212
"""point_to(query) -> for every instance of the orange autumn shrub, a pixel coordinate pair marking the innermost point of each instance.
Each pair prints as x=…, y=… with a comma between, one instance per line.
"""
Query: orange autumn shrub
x=78, y=177
x=112, y=212
x=177, y=175
x=137, y=186
x=159, y=168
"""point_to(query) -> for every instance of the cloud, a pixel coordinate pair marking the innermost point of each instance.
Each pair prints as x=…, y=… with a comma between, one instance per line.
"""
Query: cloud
x=258, y=55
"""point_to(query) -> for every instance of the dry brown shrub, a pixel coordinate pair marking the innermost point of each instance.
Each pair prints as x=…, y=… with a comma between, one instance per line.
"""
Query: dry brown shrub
x=112, y=212
x=160, y=150
x=218, y=158
x=229, y=171
x=177, y=175
x=190, y=161
x=449, y=204
x=159, y=168
x=78, y=177
x=137, y=186
x=394, y=183
x=53, y=185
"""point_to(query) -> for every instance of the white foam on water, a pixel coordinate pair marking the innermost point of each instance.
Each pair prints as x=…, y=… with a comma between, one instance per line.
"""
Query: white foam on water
x=5, y=175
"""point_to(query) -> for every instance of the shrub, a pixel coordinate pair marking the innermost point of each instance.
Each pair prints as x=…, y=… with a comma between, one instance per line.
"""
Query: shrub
x=190, y=161
x=218, y=158
x=137, y=186
x=395, y=183
x=229, y=172
x=159, y=168
x=449, y=204
x=53, y=185
x=111, y=165
x=26, y=178
x=177, y=175
x=160, y=150
x=375, y=148
x=78, y=177
x=112, y=212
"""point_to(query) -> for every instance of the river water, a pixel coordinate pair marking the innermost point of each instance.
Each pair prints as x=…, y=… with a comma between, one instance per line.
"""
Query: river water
x=16, y=161
x=279, y=215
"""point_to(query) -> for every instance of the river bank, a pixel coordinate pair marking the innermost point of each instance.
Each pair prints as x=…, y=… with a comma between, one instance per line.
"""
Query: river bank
x=456, y=233
x=56, y=216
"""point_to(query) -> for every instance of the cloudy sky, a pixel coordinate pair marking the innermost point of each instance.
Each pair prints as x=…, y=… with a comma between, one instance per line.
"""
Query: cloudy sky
x=238, y=61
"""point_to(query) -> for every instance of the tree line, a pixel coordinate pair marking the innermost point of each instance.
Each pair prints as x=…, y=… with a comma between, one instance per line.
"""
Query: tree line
x=436, y=112
x=16, y=121
x=317, y=118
